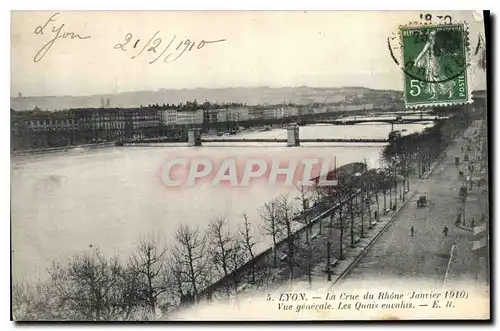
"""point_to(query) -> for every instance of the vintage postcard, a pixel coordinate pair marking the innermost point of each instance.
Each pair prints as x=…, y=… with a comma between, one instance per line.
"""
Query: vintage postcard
x=249, y=165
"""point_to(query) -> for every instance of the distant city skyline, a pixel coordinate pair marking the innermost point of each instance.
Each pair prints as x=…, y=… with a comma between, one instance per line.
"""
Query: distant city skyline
x=318, y=49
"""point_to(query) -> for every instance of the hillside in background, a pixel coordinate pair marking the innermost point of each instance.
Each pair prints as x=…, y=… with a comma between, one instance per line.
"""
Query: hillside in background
x=249, y=96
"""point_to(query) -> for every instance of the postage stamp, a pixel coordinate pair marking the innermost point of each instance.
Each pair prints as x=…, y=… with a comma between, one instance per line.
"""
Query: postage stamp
x=435, y=65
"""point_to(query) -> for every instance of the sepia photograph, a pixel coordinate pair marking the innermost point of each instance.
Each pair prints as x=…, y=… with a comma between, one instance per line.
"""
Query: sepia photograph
x=249, y=165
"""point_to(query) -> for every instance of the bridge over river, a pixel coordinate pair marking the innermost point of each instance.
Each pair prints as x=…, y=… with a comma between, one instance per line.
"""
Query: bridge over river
x=263, y=140
x=194, y=137
x=370, y=120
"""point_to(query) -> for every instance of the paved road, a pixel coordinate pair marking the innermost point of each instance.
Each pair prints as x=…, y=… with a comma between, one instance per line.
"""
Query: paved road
x=465, y=265
x=425, y=255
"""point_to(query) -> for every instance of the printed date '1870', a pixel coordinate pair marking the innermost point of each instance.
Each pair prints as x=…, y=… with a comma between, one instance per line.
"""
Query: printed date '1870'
x=155, y=45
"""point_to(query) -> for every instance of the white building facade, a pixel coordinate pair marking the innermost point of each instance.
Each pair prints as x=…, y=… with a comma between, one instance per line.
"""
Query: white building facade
x=190, y=117
x=168, y=117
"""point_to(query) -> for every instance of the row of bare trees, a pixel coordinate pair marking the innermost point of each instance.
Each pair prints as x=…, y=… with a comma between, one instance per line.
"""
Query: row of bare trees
x=156, y=278
x=350, y=204
x=414, y=153
x=278, y=216
x=95, y=288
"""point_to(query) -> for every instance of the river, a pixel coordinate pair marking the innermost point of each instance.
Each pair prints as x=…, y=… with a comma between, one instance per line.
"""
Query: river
x=61, y=203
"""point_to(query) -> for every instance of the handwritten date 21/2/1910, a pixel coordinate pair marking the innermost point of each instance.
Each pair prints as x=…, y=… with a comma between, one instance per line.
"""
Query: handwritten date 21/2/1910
x=155, y=45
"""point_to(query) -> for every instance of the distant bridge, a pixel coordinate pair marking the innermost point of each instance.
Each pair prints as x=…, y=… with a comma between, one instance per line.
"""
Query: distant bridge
x=373, y=120
x=260, y=140
x=278, y=140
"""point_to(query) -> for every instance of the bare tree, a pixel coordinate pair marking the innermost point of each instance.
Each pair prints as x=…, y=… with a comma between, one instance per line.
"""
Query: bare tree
x=319, y=192
x=406, y=169
x=352, y=214
x=336, y=196
x=286, y=212
x=384, y=185
x=272, y=226
x=342, y=230
x=180, y=292
x=31, y=302
x=148, y=263
x=394, y=181
x=388, y=175
x=319, y=200
x=132, y=299
x=375, y=184
x=23, y=302
x=220, y=244
x=248, y=242
x=361, y=204
x=369, y=197
x=189, y=255
x=304, y=203
x=90, y=288
x=178, y=278
x=350, y=193
x=235, y=258
x=361, y=194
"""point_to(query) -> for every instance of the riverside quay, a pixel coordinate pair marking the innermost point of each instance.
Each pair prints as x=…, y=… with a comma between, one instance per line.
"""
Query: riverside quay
x=39, y=129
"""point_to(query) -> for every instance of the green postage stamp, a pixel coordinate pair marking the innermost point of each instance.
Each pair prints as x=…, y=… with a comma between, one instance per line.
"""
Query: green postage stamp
x=435, y=65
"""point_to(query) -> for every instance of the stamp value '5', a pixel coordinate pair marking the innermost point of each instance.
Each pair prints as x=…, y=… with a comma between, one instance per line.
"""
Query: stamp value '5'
x=435, y=65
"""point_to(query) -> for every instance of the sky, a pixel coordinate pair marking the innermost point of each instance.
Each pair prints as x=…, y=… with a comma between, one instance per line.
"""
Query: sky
x=276, y=49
